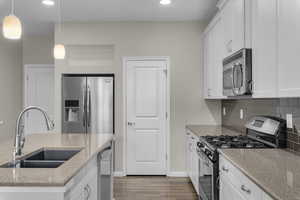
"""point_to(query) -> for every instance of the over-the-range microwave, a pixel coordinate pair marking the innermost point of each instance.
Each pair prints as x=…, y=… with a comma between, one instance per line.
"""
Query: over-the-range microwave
x=237, y=73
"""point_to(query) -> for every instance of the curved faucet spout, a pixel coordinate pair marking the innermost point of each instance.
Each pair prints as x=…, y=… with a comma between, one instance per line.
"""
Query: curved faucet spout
x=19, y=136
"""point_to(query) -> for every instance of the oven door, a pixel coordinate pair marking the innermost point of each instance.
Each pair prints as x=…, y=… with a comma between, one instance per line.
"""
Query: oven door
x=206, y=178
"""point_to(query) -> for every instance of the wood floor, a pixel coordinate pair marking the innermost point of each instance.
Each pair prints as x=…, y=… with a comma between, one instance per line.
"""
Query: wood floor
x=151, y=188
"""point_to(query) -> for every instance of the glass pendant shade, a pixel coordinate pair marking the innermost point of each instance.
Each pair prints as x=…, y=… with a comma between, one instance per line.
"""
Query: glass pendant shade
x=12, y=27
x=59, y=51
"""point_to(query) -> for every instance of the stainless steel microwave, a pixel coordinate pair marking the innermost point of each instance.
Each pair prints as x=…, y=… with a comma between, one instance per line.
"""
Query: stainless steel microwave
x=237, y=73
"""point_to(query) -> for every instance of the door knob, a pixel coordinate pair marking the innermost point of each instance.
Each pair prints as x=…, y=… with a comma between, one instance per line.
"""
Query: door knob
x=131, y=124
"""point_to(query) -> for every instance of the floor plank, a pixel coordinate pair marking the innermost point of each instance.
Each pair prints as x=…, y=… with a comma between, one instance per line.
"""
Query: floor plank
x=150, y=188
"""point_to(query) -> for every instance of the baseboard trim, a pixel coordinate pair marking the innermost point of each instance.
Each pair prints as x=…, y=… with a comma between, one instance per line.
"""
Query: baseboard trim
x=177, y=174
x=119, y=174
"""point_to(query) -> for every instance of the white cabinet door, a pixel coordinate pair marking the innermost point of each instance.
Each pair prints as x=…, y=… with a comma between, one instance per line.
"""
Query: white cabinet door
x=214, y=53
x=264, y=46
x=288, y=48
x=206, y=73
x=192, y=160
x=86, y=184
x=233, y=15
x=194, y=163
x=188, y=154
x=228, y=192
x=217, y=55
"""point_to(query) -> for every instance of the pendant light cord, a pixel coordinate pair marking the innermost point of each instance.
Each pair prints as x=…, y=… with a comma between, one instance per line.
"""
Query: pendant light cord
x=60, y=15
x=12, y=7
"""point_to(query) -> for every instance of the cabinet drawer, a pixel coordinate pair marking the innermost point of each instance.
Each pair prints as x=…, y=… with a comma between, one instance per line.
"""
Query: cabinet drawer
x=246, y=187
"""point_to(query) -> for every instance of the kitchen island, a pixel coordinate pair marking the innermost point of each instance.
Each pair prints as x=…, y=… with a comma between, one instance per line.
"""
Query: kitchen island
x=76, y=178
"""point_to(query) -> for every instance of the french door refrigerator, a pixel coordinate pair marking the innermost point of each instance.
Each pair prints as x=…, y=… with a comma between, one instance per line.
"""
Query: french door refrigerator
x=88, y=103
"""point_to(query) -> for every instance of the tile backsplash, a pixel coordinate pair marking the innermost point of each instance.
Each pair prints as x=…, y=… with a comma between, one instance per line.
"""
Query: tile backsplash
x=272, y=107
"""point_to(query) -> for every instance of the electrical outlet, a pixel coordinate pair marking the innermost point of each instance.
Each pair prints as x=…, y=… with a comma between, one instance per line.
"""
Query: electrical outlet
x=224, y=111
x=241, y=114
x=289, y=120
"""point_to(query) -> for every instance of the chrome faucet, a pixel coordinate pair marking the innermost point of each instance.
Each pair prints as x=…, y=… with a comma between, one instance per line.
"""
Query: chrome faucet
x=19, y=137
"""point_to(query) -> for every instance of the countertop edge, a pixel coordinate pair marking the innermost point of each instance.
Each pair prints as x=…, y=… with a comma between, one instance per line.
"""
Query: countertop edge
x=83, y=165
x=252, y=178
x=63, y=183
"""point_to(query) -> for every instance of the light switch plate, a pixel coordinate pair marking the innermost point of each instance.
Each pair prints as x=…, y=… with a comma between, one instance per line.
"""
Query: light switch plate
x=1, y=122
x=289, y=120
x=241, y=114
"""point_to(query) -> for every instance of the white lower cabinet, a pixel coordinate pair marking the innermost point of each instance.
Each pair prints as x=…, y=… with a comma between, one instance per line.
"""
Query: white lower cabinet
x=84, y=185
x=192, y=159
x=234, y=185
x=228, y=191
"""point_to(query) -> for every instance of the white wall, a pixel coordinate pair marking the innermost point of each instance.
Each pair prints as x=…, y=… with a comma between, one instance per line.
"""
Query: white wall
x=179, y=40
x=38, y=49
x=11, y=85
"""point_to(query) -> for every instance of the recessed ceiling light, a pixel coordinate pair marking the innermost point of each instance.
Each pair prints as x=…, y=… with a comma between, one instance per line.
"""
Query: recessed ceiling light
x=165, y=2
x=48, y=2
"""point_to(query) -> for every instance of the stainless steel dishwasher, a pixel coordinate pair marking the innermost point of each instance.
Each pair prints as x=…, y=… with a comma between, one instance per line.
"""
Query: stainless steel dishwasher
x=105, y=173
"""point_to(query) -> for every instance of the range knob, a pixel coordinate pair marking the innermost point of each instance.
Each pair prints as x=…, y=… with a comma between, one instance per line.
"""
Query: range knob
x=200, y=145
x=207, y=152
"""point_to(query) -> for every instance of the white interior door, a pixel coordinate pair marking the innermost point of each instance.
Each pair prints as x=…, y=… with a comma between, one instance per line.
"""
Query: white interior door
x=146, y=117
x=39, y=91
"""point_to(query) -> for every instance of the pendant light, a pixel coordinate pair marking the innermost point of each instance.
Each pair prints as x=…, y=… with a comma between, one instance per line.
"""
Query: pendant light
x=11, y=26
x=59, y=49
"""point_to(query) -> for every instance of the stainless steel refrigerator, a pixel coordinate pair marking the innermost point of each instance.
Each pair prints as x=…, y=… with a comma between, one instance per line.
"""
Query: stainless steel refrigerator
x=87, y=103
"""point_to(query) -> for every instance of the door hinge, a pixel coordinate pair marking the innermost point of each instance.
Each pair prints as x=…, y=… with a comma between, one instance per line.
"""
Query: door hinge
x=27, y=78
x=166, y=156
x=166, y=115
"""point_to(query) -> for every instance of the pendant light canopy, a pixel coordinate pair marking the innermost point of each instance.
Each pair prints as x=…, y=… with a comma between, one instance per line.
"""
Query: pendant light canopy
x=59, y=49
x=12, y=26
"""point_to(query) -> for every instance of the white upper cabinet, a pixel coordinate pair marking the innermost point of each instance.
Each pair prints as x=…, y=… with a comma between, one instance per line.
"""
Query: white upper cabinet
x=264, y=48
x=233, y=15
x=224, y=35
x=288, y=48
x=213, y=56
x=271, y=28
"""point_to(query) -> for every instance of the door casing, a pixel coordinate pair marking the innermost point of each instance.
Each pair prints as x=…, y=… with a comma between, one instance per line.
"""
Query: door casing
x=165, y=59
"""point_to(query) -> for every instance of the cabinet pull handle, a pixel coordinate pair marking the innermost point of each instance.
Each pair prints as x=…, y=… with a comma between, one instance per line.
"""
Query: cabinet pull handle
x=225, y=169
x=87, y=192
x=245, y=189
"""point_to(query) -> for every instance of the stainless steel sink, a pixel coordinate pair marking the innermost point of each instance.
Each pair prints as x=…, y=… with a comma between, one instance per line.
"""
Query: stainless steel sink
x=52, y=155
x=44, y=158
x=33, y=164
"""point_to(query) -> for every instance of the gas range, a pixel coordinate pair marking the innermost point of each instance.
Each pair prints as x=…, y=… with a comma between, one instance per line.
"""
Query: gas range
x=261, y=132
x=225, y=141
x=210, y=144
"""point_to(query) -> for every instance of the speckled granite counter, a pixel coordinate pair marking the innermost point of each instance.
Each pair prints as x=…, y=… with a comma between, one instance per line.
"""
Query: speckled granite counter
x=276, y=171
x=91, y=144
x=202, y=130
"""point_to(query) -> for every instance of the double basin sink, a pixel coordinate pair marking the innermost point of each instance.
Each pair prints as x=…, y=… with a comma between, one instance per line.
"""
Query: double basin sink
x=43, y=158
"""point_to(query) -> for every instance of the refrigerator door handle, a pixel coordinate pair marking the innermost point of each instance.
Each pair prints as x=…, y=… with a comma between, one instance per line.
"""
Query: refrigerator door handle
x=89, y=107
x=84, y=107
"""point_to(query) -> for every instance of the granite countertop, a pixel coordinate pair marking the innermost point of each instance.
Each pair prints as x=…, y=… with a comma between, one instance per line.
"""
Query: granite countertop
x=276, y=171
x=213, y=130
x=91, y=144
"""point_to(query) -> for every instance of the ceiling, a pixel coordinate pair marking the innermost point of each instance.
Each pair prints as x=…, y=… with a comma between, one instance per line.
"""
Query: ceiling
x=39, y=19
